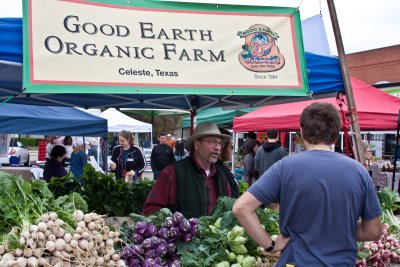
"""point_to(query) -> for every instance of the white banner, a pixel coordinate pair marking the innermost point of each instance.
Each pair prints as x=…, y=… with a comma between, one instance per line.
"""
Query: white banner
x=86, y=43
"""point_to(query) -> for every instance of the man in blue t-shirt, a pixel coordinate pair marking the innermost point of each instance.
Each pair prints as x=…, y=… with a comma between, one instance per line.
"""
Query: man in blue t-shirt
x=327, y=200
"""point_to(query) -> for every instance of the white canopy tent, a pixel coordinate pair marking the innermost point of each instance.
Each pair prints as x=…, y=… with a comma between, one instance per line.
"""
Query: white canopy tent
x=117, y=121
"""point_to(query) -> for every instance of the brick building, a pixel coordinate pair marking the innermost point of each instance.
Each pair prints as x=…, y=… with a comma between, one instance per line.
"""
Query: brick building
x=376, y=66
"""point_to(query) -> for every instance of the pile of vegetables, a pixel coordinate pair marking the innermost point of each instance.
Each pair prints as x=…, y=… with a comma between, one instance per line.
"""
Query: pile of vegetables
x=52, y=242
x=154, y=243
x=222, y=242
x=379, y=253
x=22, y=203
x=387, y=250
x=215, y=240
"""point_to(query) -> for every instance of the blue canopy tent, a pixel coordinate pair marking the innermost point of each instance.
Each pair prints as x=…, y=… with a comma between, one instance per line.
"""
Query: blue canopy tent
x=324, y=77
x=50, y=120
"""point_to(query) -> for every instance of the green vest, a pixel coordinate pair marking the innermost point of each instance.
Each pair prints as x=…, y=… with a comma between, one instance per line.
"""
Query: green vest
x=191, y=191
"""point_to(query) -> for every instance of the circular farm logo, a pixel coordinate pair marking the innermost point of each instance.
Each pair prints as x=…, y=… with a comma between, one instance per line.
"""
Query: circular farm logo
x=260, y=53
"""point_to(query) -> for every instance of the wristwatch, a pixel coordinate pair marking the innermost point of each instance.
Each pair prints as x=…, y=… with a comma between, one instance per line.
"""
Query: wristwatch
x=271, y=248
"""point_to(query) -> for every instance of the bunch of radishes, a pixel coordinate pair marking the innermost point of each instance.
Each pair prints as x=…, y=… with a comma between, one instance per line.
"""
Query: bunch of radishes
x=382, y=252
x=52, y=243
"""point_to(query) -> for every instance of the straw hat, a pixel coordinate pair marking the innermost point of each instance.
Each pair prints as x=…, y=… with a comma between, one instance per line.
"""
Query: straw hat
x=202, y=130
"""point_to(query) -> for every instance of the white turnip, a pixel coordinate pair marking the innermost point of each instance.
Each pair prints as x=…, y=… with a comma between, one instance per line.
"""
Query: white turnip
x=42, y=227
x=21, y=262
x=44, y=218
x=18, y=252
x=32, y=262
x=60, y=244
x=53, y=216
x=87, y=217
x=50, y=245
x=7, y=257
x=78, y=215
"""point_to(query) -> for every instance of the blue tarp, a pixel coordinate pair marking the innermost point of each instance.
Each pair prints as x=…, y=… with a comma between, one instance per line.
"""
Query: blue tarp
x=324, y=77
x=49, y=120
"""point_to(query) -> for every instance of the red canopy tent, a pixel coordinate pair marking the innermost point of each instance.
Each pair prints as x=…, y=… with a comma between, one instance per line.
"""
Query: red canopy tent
x=376, y=111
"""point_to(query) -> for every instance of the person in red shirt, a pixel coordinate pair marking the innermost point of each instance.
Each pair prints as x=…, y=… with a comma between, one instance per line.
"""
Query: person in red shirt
x=192, y=185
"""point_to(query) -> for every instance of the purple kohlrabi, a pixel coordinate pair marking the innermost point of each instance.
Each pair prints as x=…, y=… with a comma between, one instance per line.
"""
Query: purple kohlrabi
x=150, y=253
x=137, y=238
x=147, y=243
x=127, y=252
x=176, y=263
x=149, y=263
x=177, y=217
x=174, y=233
x=161, y=250
x=171, y=248
x=168, y=222
x=151, y=230
x=137, y=250
x=164, y=233
x=194, y=230
x=187, y=237
x=193, y=221
x=141, y=227
x=184, y=225
x=155, y=241
x=133, y=262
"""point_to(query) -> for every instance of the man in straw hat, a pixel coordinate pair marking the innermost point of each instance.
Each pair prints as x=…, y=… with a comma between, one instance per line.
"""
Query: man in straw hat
x=192, y=185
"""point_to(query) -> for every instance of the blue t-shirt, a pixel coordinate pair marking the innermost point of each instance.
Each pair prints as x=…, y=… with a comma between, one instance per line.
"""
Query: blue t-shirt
x=321, y=194
x=78, y=161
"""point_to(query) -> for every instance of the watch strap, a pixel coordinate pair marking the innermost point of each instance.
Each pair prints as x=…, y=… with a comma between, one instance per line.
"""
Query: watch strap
x=271, y=248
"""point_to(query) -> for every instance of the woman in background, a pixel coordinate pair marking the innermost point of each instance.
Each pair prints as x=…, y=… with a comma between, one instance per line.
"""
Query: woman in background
x=226, y=157
x=367, y=154
x=49, y=147
x=67, y=143
x=127, y=158
x=249, y=151
x=54, y=165
x=78, y=159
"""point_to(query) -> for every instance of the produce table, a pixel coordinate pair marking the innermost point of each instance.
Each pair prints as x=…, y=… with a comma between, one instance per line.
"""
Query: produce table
x=26, y=172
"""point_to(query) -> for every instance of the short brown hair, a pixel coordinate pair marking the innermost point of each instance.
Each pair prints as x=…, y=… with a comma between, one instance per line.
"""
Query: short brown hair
x=272, y=133
x=127, y=135
x=320, y=123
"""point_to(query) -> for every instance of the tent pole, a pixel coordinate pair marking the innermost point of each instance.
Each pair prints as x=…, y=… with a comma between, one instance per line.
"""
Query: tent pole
x=396, y=152
x=355, y=126
x=105, y=154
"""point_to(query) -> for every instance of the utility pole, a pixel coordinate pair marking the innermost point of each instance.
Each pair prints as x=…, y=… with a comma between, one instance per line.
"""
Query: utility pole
x=353, y=117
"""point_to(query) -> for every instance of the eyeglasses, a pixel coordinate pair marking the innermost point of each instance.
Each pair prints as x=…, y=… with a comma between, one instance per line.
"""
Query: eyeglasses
x=212, y=142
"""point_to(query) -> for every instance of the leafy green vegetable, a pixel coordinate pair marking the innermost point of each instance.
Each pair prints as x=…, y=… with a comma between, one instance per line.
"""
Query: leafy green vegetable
x=105, y=195
x=21, y=202
x=243, y=186
x=64, y=185
x=389, y=201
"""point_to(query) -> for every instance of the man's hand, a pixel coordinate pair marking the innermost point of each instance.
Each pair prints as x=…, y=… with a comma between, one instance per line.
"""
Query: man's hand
x=280, y=244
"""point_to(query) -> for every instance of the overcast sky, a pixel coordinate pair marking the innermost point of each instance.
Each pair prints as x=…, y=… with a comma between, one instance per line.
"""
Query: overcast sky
x=364, y=24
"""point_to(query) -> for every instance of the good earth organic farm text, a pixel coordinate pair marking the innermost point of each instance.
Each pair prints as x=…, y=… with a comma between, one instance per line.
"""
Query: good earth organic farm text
x=146, y=30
